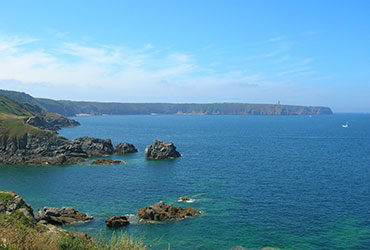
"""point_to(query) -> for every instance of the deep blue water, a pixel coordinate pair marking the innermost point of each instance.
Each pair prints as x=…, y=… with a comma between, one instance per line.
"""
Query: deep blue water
x=294, y=182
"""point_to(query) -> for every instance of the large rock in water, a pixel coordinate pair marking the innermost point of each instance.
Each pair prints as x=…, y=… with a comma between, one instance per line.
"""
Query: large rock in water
x=163, y=212
x=94, y=146
x=125, y=148
x=11, y=202
x=117, y=221
x=62, y=216
x=161, y=150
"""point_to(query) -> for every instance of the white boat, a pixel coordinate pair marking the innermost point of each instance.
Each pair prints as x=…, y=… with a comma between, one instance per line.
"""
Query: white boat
x=345, y=125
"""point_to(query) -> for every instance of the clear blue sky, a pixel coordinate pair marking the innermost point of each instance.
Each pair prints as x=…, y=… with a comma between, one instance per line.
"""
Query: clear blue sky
x=298, y=52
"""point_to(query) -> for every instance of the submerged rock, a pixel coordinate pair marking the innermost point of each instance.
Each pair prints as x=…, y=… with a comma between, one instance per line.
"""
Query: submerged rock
x=107, y=162
x=163, y=212
x=161, y=150
x=125, y=148
x=62, y=216
x=117, y=221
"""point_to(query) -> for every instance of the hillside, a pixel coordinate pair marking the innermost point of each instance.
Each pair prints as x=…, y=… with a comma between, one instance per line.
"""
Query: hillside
x=9, y=106
x=32, y=114
x=72, y=108
x=28, y=137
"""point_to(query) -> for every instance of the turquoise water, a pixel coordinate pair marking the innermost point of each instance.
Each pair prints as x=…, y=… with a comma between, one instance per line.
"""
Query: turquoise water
x=295, y=182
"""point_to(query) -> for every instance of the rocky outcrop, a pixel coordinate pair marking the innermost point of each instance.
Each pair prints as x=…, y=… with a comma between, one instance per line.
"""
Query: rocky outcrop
x=107, y=162
x=125, y=148
x=161, y=150
x=51, y=122
x=163, y=212
x=62, y=216
x=42, y=147
x=11, y=202
x=117, y=221
x=94, y=146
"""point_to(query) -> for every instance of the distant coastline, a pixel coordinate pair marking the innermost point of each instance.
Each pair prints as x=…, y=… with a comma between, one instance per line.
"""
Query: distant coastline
x=82, y=108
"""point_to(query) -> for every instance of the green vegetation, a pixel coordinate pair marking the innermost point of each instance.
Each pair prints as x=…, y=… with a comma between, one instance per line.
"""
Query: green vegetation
x=6, y=198
x=19, y=232
x=9, y=106
x=16, y=128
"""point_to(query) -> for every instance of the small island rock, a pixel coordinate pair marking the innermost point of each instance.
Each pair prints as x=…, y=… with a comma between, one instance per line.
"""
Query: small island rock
x=107, y=162
x=185, y=198
x=125, y=148
x=62, y=216
x=117, y=221
x=163, y=212
x=161, y=150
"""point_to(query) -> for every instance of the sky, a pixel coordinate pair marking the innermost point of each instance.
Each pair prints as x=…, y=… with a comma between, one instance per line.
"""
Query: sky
x=296, y=52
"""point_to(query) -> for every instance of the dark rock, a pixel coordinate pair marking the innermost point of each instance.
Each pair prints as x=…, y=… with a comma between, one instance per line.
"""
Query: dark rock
x=125, y=148
x=107, y=162
x=62, y=216
x=94, y=146
x=44, y=147
x=117, y=221
x=163, y=212
x=185, y=198
x=52, y=122
x=11, y=202
x=160, y=150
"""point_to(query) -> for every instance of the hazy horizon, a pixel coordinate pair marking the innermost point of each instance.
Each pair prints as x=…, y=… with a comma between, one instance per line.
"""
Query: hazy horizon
x=299, y=53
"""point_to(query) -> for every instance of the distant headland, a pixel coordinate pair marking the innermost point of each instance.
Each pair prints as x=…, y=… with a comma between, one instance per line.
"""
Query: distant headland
x=82, y=108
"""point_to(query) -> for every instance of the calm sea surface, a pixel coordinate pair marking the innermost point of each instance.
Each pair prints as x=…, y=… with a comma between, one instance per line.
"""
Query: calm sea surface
x=295, y=182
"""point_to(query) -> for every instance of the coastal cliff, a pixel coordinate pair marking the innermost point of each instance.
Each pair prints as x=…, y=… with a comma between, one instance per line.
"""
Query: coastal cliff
x=28, y=137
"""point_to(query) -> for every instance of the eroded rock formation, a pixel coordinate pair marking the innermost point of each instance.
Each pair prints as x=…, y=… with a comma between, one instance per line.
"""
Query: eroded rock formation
x=161, y=150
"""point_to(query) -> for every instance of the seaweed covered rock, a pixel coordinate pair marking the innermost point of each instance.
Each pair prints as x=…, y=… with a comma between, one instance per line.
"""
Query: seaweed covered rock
x=164, y=212
x=11, y=202
x=107, y=162
x=125, y=148
x=62, y=216
x=117, y=221
x=161, y=150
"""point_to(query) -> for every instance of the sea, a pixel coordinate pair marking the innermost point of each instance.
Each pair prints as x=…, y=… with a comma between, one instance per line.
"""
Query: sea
x=287, y=182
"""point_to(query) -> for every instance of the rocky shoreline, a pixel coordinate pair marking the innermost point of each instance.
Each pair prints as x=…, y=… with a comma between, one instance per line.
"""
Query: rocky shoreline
x=44, y=147
x=11, y=202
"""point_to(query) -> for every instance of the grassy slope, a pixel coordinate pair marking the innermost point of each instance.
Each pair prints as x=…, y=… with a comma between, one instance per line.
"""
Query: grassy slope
x=19, y=232
x=9, y=106
x=12, y=115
